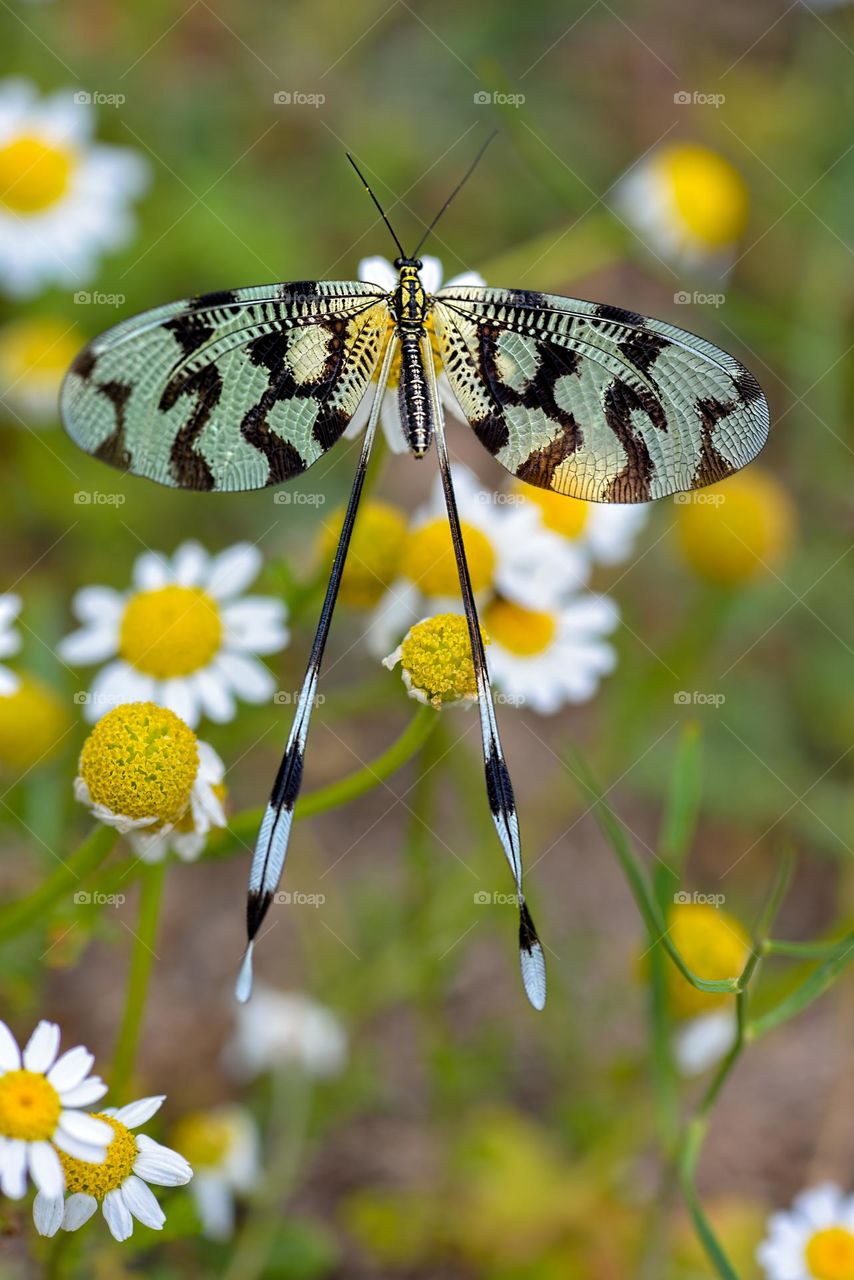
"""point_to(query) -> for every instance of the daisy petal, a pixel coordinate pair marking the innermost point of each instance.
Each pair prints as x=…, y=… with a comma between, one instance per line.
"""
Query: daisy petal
x=48, y=1213
x=189, y=564
x=179, y=696
x=151, y=571
x=142, y=1203
x=70, y=1069
x=79, y=1150
x=379, y=271
x=233, y=570
x=78, y=1209
x=45, y=1169
x=160, y=1165
x=41, y=1048
x=89, y=645
x=10, y=1054
x=249, y=678
x=117, y=1215
x=85, y=1093
x=216, y=699
x=114, y=684
x=98, y=605
x=13, y=1168
x=136, y=1113
x=96, y=1133
x=431, y=273
x=215, y=1205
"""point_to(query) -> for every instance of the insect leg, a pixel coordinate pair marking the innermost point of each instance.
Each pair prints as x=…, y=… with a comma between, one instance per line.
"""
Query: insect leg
x=499, y=788
x=269, y=858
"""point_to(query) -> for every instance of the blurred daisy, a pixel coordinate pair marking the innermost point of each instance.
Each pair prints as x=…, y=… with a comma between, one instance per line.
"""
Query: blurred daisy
x=280, y=1029
x=689, y=202
x=374, y=555
x=185, y=636
x=222, y=1146
x=34, y=356
x=63, y=198
x=738, y=530
x=436, y=662
x=40, y=1118
x=605, y=532
x=714, y=945
x=814, y=1240
x=34, y=723
x=119, y=1184
x=509, y=551
x=380, y=271
x=545, y=658
x=143, y=771
x=10, y=640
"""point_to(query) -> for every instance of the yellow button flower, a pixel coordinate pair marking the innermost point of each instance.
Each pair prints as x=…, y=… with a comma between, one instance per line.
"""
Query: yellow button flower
x=223, y=1148
x=430, y=564
x=436, y=661
x=814, y=1240
x=738, y=530
x=34, y=355
x=33, y=724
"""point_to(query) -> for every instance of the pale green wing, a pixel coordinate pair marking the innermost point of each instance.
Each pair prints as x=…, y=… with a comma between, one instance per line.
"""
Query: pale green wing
x=593, y=401
x=232, y=390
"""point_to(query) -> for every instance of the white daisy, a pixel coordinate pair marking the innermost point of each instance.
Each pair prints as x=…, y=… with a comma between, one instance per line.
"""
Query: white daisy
x=63, y=198
x=702, y=1041
x=40, y=1099
x=119, y=1184
x=379, y=271
x=814, y=1240
x=279, y=1029
x=184, y=636
x=605, y=532
x=508, y=551
x=688, y=202
x=547, y=657
x=35, y=352
x=223, y=1148
x=10, y=641
x=144, y=772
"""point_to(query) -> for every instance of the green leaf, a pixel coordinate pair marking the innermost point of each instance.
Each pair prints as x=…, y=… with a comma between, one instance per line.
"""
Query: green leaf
x=809, y=990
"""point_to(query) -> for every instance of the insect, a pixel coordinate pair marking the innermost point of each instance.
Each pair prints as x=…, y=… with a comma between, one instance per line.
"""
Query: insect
x=249, y=387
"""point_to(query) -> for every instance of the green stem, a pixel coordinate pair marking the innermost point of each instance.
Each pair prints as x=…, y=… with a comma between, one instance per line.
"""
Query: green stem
x=63, y=883
x=142, y=959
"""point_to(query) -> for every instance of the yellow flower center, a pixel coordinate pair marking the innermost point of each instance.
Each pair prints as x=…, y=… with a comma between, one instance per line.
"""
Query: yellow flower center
x=709, y=194
x=437, y=655
x=830, y=1254
x=29, y=1106
x=97, y=1179
x=172, y=631
x=521, y=631
x=140, y=761
x=429, y=560
x=34, y=174
x=373, y=560
x=33, y=721
x=203, y=1138
x=737, y=530
x=713, y=945
x=567, y=516
x=38, y=349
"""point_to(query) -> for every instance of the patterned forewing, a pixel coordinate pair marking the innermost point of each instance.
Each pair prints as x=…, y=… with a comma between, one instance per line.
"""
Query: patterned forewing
x=228, y=391
x=593, y=401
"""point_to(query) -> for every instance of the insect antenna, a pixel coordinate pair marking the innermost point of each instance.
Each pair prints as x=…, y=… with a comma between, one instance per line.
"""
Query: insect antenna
x=364, y=182
x=463, y=180
x=499, y=789
x=269, y=858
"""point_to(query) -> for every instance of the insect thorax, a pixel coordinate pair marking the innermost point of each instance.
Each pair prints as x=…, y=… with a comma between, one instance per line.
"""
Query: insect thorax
x=409, y=307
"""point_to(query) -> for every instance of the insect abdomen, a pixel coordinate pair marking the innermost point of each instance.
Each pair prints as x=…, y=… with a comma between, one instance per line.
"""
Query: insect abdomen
x=416, y=414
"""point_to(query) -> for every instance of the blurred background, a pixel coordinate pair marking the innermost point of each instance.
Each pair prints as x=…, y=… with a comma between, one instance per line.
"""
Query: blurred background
x=690, y=162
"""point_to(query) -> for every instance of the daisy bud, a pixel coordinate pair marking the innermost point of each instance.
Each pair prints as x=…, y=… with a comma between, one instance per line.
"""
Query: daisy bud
x=738, y=530
x=436, y=661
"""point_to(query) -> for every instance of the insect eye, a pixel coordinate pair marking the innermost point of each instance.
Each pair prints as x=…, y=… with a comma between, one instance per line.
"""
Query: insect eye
x=398, y=263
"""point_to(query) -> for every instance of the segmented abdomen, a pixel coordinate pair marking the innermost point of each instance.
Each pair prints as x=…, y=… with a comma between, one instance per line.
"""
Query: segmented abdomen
x=416, y=414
